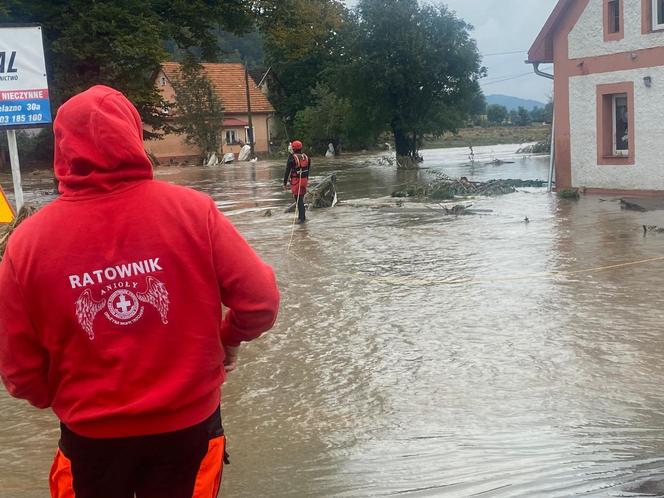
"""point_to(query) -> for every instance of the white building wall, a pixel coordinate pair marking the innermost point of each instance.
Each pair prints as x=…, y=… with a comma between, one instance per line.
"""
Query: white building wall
x=587, y=37
x=648, y=171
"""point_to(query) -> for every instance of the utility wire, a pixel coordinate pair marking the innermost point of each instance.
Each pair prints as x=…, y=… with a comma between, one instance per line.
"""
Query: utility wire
x=505, y=53
x=502, y=79
x=505, y=76
x=506, y=80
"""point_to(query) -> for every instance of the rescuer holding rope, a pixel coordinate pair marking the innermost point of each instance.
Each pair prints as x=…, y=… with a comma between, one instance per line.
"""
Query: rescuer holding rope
x=297, y=171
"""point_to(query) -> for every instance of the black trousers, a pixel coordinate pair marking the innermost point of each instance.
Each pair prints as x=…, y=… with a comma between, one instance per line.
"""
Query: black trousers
x=300, y=208
x=171, y=465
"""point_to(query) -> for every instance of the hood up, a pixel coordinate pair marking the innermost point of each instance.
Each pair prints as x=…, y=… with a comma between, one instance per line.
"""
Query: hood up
x=99, y=143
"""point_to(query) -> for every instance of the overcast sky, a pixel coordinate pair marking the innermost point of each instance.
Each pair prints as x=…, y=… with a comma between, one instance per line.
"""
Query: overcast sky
x=506, y=26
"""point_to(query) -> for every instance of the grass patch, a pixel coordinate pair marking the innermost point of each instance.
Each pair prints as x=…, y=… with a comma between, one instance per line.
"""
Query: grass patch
x=490, y=136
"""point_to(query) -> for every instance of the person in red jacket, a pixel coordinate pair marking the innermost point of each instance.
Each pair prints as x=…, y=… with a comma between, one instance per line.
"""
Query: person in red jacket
x=111, y=313
x=297, y=171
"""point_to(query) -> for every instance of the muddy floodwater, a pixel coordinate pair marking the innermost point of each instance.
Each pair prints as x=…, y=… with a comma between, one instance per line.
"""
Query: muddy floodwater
x=418, y=354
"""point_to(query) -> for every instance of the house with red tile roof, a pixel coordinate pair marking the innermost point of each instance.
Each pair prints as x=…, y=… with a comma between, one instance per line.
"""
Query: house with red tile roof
x=228, y=82
x=608, y=58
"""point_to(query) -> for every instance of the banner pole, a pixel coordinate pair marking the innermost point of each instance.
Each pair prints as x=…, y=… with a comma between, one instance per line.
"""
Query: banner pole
x=16, y=169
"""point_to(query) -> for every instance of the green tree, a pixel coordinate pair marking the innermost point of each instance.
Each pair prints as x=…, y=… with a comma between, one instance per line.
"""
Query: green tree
x=548, y=111
x=331, y=120
x=522, y=117
x=542, y=114
x=120, y=43
x=324, y=122
x=537, y=114
x=302, y=41
x=246, y=48
x=416, y=67
x=477, y=105
x=199, y=113
x=496, y=114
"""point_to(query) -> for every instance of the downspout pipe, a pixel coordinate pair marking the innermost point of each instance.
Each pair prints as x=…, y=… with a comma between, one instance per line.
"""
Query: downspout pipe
x=540, y=73
x=553, y=126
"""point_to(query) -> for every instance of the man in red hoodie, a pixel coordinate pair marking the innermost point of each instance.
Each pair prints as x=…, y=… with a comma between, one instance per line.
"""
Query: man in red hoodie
x=110, y=313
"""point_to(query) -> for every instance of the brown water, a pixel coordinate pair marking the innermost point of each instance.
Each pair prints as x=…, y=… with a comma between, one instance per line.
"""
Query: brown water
x=381, y=378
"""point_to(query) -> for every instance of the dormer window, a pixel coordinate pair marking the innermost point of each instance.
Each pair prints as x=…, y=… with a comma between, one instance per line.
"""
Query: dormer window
x=657, y=14
x=163, y=81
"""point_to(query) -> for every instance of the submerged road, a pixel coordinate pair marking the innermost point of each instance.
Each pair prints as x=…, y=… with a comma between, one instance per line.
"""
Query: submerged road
x=529, y=377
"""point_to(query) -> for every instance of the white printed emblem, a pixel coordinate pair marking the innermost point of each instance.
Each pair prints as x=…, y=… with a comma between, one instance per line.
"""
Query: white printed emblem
x=122, y=303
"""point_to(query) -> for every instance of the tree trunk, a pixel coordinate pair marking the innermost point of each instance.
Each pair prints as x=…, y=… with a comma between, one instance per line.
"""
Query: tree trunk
x=414, y=146
x=401, y=142
x=406, y=146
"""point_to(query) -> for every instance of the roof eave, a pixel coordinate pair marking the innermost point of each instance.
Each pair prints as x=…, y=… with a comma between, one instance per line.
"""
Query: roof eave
x=542, y=49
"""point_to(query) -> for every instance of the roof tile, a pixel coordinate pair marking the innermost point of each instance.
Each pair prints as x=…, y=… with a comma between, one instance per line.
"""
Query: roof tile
x=228, y=82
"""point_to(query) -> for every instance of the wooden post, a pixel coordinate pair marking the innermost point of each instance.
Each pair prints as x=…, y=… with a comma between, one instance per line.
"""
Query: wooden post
x=251, y=123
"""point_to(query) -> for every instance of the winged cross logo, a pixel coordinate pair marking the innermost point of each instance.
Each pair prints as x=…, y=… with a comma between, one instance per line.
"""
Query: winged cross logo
x=123, y=306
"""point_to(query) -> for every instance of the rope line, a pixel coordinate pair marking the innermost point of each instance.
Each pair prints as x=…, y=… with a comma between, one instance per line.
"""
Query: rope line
x=297, y=208
x=471, y=280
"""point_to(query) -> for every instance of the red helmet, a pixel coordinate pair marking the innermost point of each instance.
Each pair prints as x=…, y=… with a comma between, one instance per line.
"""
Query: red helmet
x=297, y=145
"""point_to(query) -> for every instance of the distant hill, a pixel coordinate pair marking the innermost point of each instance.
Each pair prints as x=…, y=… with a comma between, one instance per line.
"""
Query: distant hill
x=513, y=103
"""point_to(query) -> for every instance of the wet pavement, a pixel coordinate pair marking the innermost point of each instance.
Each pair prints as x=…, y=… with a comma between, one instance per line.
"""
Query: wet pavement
x=418, y=354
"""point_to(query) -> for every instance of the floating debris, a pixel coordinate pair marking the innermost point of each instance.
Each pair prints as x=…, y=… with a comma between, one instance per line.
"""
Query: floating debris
x=459, y=210
x=632, y=206
x=444, y=188
x=323, y=195
x=571, y=194
x=543, y=147
x=408, y=162
x=652, y=228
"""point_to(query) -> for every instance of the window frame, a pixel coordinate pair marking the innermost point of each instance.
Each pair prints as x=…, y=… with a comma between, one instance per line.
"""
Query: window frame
x=614, y=35
x=654, y=4
x=613, y=4
x=250, y=135
x=607, y=155
x=233, y=133
x=614, y=111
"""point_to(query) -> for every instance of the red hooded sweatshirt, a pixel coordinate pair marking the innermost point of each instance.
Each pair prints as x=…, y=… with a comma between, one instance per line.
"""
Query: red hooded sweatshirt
x=110, y=297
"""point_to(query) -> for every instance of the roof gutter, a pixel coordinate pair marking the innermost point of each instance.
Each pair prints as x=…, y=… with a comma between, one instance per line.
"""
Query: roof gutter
x=552, y=152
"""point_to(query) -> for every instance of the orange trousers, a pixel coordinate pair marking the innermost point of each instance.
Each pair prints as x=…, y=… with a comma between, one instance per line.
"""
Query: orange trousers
x=182, y=464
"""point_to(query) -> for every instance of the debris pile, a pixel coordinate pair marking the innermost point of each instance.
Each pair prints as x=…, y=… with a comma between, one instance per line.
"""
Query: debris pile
x=444, y=187
x=323, y=195
x=569, y=194
x=652, y=228
x=632, y=206
x=543, y=147
x=456, y=210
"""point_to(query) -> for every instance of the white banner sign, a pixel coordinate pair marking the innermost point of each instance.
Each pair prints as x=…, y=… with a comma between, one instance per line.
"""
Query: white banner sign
x=24, y=98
